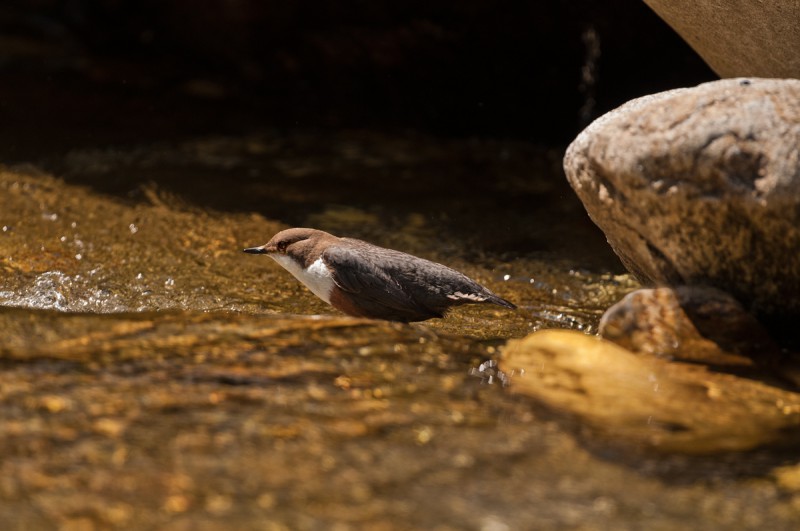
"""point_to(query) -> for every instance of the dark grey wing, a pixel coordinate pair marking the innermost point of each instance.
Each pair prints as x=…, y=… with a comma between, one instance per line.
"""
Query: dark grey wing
x=422, y=288
x=372, y=286
x=439, y=287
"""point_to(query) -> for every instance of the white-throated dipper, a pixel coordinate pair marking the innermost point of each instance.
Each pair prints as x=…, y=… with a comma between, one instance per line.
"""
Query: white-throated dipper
x=364, y=280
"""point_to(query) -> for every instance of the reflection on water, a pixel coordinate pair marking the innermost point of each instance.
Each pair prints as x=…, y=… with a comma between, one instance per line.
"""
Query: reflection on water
x=155, y=376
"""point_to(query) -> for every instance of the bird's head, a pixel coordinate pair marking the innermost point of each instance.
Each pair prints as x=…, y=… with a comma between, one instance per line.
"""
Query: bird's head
x=296, y=243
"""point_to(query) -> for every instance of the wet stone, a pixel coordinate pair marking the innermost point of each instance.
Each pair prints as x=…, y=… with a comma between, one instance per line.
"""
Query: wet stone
x=667, y=406
x=689, y=323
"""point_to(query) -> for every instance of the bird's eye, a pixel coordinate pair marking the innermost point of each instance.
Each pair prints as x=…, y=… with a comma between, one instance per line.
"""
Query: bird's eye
x=282, y=246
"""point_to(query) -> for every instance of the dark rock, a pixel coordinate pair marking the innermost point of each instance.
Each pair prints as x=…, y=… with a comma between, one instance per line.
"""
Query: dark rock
x=690, y=323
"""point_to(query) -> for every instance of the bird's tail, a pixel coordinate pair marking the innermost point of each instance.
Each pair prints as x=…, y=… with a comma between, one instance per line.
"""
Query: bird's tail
x=500, y=301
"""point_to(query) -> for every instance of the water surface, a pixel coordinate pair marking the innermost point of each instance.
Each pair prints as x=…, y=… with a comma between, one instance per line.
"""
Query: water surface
x=154, y=376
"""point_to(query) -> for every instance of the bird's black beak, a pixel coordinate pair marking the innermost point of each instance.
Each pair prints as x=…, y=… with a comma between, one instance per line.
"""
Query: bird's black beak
x=256, y=250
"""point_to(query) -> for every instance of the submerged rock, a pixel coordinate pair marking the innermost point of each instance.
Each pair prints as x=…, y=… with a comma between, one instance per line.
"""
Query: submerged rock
x=668, y=406
x=702, y=186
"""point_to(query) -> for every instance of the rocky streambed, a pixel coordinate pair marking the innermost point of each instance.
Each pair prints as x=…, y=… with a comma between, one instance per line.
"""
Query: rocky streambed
x=154, y=376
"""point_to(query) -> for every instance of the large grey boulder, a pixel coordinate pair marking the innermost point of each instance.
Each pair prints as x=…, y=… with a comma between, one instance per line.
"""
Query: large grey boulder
x=702, y=186
x=739, y=38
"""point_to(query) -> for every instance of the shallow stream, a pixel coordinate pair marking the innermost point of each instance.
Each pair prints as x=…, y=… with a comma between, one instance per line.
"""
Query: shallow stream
x=156, y=377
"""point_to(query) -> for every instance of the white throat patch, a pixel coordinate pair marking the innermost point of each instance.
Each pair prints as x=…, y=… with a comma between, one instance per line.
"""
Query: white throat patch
x=317, y=277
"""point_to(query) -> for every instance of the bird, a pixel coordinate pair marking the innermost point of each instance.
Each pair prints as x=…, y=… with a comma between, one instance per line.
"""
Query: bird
x=363, y=280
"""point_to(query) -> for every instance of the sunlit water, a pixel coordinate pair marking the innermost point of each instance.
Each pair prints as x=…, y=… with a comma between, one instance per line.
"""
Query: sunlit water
x=154, y=375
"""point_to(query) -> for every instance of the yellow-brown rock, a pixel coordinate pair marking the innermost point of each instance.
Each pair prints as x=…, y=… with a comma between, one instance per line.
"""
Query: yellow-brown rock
x=669, y=406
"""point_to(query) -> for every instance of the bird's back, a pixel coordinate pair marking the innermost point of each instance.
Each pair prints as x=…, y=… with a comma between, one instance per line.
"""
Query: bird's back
x=405, y=286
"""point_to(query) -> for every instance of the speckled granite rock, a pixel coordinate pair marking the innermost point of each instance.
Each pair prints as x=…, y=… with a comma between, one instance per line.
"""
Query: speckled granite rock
x=702, y=186
x=738, y=38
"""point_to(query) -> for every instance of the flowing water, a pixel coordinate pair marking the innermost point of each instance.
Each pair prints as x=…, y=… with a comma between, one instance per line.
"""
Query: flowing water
x=155, y=377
